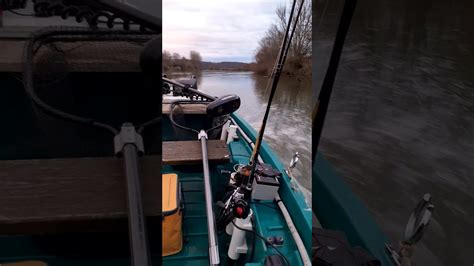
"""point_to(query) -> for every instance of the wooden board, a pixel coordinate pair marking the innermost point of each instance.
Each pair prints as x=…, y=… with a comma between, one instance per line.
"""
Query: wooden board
x=189, y=152
x=56, y=195
x=119, y=57
x=195, y=109
x=11, y=54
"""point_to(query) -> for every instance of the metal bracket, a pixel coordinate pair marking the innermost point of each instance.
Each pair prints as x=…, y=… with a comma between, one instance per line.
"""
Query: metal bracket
x=202, y=134
x=128, y=135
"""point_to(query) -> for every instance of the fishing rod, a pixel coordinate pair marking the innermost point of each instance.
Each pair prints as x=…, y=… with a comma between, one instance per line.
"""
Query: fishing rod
x=216, y=107
x=320, y=109
x=246, y=185
x=235, y=204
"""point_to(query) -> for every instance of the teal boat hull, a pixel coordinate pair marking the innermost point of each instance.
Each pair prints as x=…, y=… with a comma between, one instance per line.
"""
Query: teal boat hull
x=268, y=219
x=338, y=208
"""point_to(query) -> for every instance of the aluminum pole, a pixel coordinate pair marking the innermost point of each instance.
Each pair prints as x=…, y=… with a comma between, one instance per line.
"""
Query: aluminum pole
x=140, y=253
x=211, y=224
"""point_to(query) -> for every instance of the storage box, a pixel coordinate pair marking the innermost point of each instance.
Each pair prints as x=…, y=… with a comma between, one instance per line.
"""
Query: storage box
x=172, y=235
x=266, y=183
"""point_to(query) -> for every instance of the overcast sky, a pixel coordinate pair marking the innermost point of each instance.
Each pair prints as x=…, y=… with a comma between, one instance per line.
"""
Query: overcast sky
x=220, y=30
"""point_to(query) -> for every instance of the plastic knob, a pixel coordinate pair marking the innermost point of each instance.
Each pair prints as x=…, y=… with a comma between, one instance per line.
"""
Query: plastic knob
x=239, y=211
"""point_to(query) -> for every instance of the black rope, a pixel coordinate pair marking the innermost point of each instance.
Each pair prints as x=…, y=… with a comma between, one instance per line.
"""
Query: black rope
x=178, y=102
x=172, y=119
x=151, y=122
x=50, y=35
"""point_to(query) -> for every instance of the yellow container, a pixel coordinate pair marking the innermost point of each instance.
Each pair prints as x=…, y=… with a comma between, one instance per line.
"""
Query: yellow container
x=172, y=235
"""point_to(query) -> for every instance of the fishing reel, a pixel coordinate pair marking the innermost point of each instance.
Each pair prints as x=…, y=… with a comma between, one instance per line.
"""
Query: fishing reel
x=238, y=176
x=234, y=204
x=259, y=182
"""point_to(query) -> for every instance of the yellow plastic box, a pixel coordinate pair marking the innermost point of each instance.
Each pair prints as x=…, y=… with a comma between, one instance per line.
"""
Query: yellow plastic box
x=172, y=235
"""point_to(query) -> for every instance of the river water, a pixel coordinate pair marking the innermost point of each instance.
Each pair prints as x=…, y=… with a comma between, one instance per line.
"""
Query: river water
x=401, y=118
x=289, y=123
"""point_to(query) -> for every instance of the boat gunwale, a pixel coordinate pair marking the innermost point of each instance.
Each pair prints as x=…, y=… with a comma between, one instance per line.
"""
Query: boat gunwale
x=296, y=200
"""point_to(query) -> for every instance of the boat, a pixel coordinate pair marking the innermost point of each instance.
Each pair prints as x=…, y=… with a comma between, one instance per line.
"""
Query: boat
x=78, y=190
x=239, y=205
x=228, y=148
x=81, y=168
x=67, y=93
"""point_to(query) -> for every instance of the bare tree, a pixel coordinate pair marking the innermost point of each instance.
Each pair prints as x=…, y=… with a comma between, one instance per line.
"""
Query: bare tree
x=195, y=56
x=301, y=46
x=166, y=55
x=175, y=61
x=196, y=60
x=176, y=56
x=166, y=60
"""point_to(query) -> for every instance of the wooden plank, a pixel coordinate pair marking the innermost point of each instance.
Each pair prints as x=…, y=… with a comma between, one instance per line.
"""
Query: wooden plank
x=11, y=53
x=114, y=57
x=189, y=152
x=25, y=263
x=55, y=195
x=195, y=109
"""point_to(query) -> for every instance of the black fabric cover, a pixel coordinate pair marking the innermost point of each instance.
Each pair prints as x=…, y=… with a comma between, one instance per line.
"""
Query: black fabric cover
x=332, y=248
x=274, y=260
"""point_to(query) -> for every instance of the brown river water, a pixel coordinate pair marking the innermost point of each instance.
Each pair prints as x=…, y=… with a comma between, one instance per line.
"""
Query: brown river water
x=401, y=118
x=289, y=124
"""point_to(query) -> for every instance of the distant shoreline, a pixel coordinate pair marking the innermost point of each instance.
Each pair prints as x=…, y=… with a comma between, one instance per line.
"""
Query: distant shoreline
x=224, y=66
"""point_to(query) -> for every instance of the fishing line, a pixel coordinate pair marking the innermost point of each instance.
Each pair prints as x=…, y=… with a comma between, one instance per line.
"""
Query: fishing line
x=275, y=78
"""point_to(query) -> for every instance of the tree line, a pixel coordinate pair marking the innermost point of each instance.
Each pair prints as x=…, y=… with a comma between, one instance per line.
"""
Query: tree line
x=298, y=61
x=177, y=62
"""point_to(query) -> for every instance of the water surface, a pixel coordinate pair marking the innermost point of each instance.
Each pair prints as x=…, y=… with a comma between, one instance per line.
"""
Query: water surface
x=289, y=124
x=401, y=119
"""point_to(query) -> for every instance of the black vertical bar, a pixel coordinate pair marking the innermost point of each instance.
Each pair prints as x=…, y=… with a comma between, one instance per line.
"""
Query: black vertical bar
x=248, y=181
x=136, y=219
x=328, y=83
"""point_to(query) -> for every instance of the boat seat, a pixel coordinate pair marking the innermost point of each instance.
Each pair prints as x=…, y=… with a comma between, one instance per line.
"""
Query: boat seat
x=42, y=196
x=189, y=152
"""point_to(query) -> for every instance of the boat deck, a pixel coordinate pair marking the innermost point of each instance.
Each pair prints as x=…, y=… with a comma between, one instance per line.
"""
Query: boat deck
x=267, y=217
x=195, y=246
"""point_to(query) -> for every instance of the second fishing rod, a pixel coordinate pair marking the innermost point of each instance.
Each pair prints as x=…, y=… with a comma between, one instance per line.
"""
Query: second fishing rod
x=246, y=186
